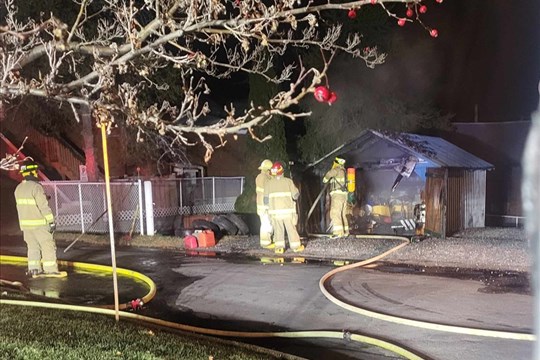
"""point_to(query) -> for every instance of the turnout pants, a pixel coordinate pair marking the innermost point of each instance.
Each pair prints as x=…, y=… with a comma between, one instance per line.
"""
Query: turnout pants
x=282, y=224
x=338, y=210
x=265, y=233
x=41, y=250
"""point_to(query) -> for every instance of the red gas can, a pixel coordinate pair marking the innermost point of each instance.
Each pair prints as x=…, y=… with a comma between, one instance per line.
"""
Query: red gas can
x=190, y=242
x=206, y=238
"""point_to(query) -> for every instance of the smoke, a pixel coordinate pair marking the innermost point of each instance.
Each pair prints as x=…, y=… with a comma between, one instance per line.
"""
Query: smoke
x=482, y=67
x=397, y=95
x=410, y=75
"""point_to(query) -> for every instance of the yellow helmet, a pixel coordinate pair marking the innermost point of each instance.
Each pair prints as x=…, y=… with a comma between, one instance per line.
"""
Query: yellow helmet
x=29, y=167
x=339, y=161
x=266, y=165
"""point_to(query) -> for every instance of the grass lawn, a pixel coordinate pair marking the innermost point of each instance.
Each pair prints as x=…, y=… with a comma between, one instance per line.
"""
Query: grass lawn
x=39, y=333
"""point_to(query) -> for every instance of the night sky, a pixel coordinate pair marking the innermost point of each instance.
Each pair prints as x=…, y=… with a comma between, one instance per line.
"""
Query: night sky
x=484, y=65
x=487, y=57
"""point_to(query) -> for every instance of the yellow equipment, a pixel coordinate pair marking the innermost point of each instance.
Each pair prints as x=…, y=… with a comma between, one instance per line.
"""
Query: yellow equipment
x=351, y=180
x=381, y=210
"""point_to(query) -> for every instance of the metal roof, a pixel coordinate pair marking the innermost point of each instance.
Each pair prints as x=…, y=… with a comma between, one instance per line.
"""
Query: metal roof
x=437, y=150
x=432, y=148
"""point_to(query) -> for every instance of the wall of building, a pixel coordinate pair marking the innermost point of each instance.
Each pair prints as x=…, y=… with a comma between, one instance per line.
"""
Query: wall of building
x=466, y=196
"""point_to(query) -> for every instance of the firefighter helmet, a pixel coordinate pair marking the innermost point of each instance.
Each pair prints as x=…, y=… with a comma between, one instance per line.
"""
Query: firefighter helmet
x=266, y=165
x=339, y=161
x=28, y=167
x=277, y=169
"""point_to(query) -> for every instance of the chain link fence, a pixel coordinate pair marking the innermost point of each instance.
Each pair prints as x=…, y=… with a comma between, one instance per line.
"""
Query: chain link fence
x=82, y=206
x=173, y=198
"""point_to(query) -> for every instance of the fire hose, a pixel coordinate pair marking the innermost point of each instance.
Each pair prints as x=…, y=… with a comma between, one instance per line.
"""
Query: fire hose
x=396, y=319
x=98, y=269
x=108, y=310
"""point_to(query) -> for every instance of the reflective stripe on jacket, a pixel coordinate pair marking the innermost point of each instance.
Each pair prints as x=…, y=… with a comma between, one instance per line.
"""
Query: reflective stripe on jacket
x=32, y=205
x=260, y=182
x=337, y=178
x=280, y=194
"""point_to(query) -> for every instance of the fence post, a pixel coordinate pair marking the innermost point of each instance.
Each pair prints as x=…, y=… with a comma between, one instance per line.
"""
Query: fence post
x=141, y=221
x=203, y=187
x=56, y=199
x=149, y=207
x=181, y=197
x=81, y=208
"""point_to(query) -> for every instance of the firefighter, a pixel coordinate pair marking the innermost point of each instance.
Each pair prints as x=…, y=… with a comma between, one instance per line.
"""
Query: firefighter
x=262, y=210
x=280, y=194
x=338, y=197
x=37, y=224
x=420, y=218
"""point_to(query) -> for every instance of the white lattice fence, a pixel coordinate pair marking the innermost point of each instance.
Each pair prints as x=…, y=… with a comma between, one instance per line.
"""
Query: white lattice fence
x=82, y=207
x=73, y=201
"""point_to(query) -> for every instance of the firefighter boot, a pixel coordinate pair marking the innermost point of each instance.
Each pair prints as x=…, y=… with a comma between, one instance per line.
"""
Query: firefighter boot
x=299, y=249
x=279, y=250
x=33, y=273
x=270, y=247
x=56, y=274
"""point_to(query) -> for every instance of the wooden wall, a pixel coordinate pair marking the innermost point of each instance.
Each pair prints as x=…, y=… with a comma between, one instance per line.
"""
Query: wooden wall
x=466, y=200
x=435, y=198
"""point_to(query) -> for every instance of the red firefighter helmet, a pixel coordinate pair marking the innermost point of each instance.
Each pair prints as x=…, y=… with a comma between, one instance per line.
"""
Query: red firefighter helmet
x=277, y=169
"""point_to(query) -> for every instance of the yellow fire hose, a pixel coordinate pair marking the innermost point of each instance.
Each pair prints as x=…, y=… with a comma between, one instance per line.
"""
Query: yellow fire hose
x=224, y=333
x=107, y=310
x=96, y=268
x=294, y=334
x=397, y=319
x=406, y=321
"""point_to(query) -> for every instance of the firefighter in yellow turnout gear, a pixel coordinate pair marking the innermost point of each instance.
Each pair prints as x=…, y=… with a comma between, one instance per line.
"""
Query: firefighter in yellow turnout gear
x=338, y=197
x=262, y=210
x=280, y=194
x=36, y=221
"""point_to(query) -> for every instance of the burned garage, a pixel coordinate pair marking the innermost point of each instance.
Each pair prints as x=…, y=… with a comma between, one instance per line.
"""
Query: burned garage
x=401, y=183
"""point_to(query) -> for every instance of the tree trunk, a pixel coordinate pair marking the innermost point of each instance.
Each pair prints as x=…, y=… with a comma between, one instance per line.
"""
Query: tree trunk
x=88, y=144
x=2, y=111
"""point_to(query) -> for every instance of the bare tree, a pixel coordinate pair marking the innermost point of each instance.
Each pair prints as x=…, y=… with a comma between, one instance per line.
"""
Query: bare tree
x=11, y=161
x=106, y=57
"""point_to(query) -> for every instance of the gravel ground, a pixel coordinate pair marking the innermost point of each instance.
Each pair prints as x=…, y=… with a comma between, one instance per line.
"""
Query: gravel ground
x=486, y=248
x=501, y=249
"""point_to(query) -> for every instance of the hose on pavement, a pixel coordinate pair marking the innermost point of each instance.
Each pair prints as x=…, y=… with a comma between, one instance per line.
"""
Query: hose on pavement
x=108, y=310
